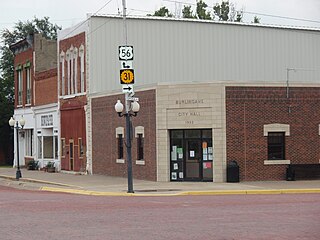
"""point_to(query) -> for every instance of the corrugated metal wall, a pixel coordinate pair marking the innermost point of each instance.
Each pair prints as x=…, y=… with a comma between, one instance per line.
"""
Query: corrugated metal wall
x=193, y=51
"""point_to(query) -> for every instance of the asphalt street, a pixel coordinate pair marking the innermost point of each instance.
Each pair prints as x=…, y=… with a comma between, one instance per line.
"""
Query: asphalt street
x=36, y=215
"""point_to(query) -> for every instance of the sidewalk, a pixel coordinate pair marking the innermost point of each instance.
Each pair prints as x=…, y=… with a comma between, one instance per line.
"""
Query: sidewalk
x=116, y=186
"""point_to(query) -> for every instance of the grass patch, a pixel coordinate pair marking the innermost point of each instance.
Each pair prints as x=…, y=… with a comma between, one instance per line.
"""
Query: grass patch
x=5, y=166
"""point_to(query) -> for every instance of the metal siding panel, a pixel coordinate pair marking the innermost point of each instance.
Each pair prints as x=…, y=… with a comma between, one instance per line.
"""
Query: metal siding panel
x=180, y=51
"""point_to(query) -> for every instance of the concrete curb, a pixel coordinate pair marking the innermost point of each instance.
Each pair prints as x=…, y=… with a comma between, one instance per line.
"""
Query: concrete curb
x=73, y=189
x=184, y=193
x=38, y=181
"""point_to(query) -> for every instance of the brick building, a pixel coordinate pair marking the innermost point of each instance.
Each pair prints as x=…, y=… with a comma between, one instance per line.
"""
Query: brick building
x=72, y=99
x=35, y=77
x=210, y=93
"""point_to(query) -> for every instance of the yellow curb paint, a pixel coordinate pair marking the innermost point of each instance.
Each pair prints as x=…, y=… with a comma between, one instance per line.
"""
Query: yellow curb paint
x=311, y=190
x=194, y=193
x=220, y=192
x=264, y=191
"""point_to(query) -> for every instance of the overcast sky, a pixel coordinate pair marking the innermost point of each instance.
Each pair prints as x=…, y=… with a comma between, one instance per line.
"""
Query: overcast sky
x=66, y=13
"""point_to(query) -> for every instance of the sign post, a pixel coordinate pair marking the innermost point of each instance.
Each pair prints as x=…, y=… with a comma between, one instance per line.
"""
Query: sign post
x=127, y=80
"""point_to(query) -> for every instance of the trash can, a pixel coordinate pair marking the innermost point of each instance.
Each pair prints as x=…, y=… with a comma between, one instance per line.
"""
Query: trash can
x=233, y=172
x=290, y=174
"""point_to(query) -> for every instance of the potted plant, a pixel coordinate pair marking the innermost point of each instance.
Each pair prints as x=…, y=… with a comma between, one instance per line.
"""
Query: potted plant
x=33, y=165
x=50, y=167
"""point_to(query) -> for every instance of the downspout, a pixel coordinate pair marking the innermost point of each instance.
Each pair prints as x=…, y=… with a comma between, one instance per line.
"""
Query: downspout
x=245, y=141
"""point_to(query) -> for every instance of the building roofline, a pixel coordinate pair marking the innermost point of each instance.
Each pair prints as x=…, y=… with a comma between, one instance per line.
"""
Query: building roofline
x=28, y=41
x=210, y=21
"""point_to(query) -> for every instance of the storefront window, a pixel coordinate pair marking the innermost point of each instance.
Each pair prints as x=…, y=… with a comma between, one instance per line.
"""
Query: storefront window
x=56, y=147
x=177, y=134
x=29, y=142
x=39, y=147
x=48, y=147
x=193, y=133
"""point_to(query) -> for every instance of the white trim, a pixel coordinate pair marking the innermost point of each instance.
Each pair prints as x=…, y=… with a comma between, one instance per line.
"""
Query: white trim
x=81, y=55
x=276, y=127
x=140, y=162
x=62, y=60
x=120, y=161
x=71, y=68
x=68, y=70
x=75, y=55
x=119, y=130
x=276, y=162
x=138, y=130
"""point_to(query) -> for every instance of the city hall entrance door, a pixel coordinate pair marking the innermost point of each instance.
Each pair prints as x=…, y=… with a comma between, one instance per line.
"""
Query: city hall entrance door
x=193, y=160
x=191, y=155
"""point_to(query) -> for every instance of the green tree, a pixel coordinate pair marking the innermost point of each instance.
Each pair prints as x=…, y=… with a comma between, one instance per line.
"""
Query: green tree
x=202, y=12
x=226, y=11
x=256, y=19
x=222, y=10
x=187, y=12
x=8, y=37
x=162, y=12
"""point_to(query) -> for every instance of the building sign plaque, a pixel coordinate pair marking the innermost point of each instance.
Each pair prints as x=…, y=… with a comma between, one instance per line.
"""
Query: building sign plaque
x=47, y=120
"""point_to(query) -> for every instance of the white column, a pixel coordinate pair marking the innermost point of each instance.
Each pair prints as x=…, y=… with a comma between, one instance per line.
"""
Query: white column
x=75, y=55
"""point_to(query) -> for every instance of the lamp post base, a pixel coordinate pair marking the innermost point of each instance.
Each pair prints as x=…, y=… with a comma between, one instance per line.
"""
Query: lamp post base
x=18, y=174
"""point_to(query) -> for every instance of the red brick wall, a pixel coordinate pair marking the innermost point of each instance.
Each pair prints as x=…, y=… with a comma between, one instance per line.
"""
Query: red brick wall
x=104, y=142
x=249, y=108
x=46, y=90
x=64, y=45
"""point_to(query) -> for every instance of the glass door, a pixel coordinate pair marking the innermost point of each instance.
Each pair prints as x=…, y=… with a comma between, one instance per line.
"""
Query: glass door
x=71, y=154
x=193, y=159
x=191, y=155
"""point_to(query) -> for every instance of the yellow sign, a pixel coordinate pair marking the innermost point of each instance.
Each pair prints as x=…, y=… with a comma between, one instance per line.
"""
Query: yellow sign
x=126, y=76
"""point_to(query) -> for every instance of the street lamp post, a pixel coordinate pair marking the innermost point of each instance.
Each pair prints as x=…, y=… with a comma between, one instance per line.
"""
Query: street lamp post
x=15, y=124
x=132, y=108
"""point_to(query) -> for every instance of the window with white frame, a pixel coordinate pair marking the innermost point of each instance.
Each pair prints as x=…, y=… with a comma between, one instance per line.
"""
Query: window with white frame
x=120, y=142
x=140, y=150
x=276, y=146
x=120, y=146
x=56, y=151
x=68, y=57
x=40, y=147
x=29, y=142
x=47, y=147
x=75, y=70
x=28, y=80
x=276, y=134
x=81, y=148
x=20, y=85
x=139, y=134
x=63, y=147
x=73, y=82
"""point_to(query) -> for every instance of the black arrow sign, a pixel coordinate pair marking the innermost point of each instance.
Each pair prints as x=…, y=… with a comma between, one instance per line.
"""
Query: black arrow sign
x=125, y=66
x=127, y=88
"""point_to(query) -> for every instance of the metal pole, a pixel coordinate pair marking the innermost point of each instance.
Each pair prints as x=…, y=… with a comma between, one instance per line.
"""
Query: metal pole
x=128, y=144
x=18, y=173
x=124, y=21
x=127, y=115
x=288, y=82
